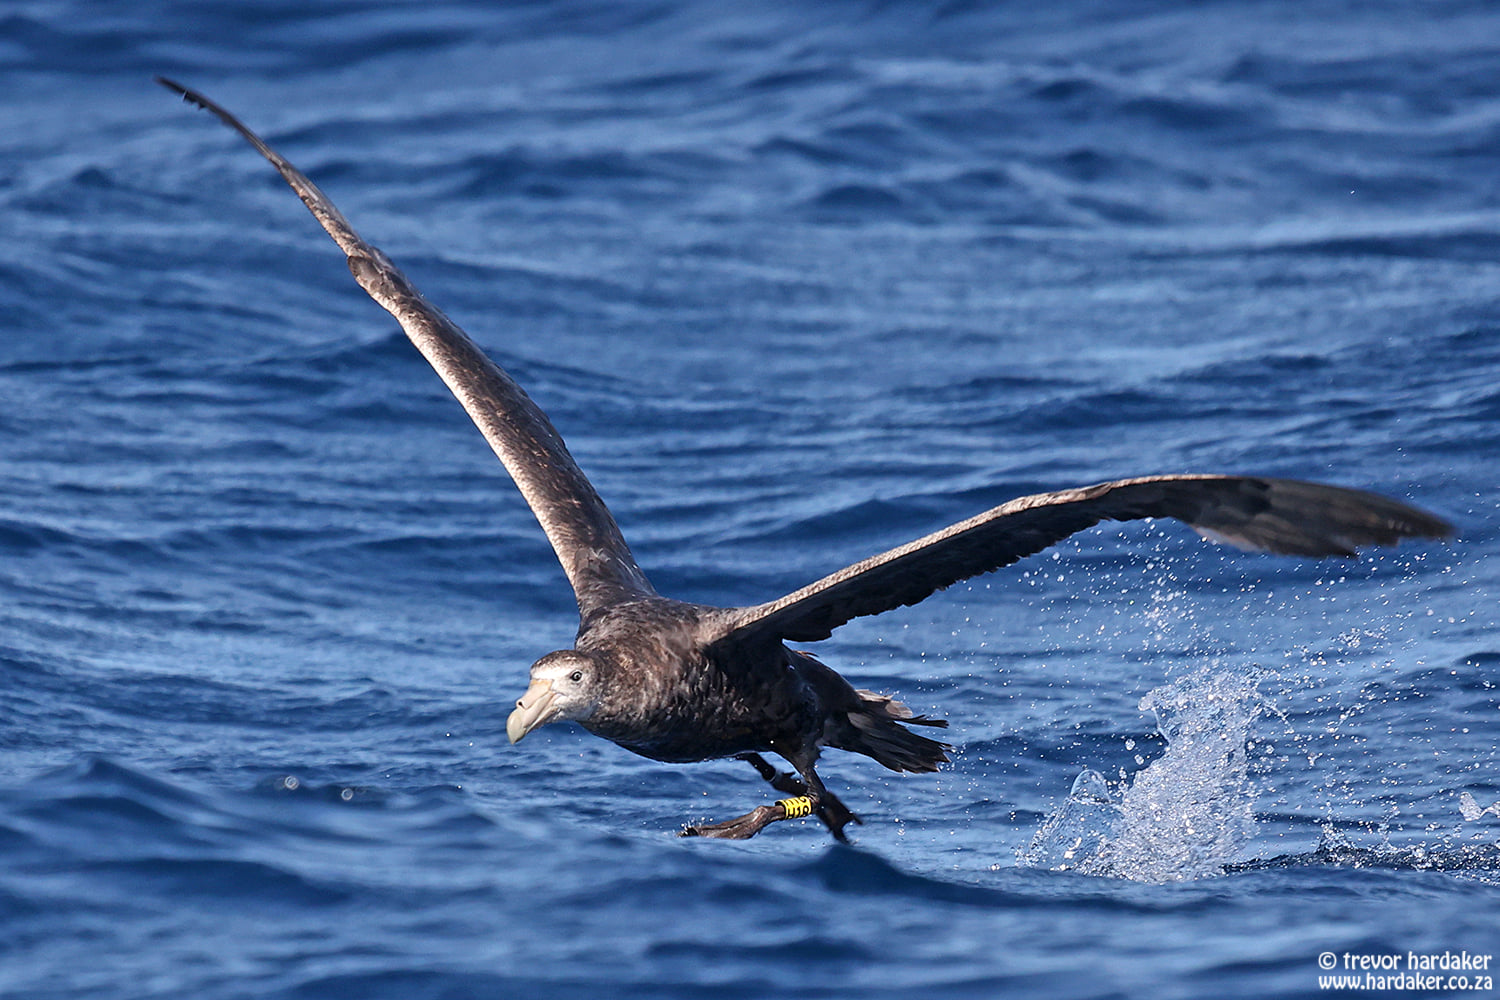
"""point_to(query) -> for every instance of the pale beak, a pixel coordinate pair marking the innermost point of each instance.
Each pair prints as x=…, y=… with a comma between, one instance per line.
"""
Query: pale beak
x=534, y=709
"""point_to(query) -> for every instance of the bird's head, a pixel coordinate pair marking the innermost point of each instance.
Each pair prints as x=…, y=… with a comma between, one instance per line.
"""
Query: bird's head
x=564, y=685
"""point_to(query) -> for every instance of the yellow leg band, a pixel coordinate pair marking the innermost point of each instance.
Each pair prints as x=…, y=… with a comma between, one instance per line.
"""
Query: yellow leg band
x=798, y=807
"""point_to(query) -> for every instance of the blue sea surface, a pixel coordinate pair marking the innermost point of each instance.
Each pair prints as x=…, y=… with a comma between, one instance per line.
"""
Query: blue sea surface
x=798, y=283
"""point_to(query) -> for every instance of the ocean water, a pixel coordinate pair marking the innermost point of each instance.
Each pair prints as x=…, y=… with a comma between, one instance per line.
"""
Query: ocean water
x=798, y=282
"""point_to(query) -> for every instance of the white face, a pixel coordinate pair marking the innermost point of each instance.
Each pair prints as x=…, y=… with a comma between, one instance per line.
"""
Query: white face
x=563, y=686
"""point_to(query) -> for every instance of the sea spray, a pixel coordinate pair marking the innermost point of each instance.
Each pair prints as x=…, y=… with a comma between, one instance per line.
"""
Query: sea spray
x=1187, y=814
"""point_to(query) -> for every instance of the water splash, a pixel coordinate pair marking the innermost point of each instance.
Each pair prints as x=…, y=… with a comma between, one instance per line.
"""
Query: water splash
x=1186, y=815
x=1470, y=809
x=1074, y=836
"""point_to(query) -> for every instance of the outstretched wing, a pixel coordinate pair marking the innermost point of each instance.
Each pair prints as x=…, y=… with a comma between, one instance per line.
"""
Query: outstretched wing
x=581, y=529
x=1270, y=515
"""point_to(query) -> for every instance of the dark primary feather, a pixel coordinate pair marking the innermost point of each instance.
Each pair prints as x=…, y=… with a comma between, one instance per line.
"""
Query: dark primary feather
x=581, y=529
x=1271, y=515
x=1274, y=515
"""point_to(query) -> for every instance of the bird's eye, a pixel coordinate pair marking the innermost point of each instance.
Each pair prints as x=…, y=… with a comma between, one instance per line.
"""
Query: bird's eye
x=576, y=676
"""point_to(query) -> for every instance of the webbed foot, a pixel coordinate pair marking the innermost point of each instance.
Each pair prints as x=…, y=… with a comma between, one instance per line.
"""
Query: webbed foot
x=742, y=827
x=835, y=815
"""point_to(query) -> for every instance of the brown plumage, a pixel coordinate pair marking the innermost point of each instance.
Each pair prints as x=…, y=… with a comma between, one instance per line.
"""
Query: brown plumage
x=685, y=682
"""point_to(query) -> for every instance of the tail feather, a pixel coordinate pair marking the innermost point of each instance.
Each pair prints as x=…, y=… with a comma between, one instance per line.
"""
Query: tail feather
x=869, y=723
x=896, y=710
x=876, y=730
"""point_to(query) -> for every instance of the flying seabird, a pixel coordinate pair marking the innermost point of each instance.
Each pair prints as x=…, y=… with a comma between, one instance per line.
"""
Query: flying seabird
x=682, y=682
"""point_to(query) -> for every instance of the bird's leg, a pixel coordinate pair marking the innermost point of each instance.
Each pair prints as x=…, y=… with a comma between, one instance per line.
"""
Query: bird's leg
x=780, y=780
x=746, y=826
x=808, y=797
x=834, y=814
